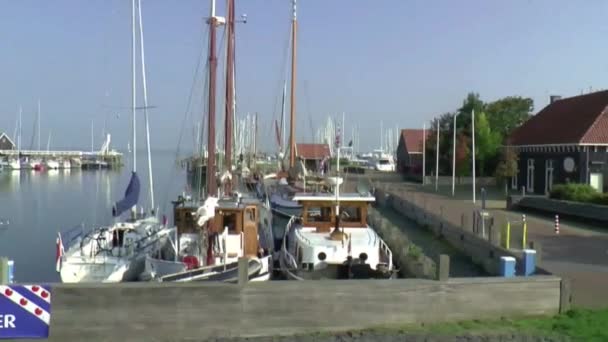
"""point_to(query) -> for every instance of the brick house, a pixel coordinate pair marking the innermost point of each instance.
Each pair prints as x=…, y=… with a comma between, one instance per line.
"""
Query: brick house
x=567, y=141
x=409, y=151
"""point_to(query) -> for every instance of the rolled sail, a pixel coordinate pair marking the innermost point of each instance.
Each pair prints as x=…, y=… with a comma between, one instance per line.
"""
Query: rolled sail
x=131, y=196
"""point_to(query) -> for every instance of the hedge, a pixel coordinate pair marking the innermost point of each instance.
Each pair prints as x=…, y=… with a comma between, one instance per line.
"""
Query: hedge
x=578, y=193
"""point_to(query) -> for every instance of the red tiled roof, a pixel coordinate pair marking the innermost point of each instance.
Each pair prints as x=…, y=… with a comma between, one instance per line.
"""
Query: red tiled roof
x=573, y=120
x=413, y=139
x=313, y=151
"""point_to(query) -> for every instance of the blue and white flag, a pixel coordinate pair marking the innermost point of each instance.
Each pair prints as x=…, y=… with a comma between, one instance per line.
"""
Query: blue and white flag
x=25, y=311
x=131, y=197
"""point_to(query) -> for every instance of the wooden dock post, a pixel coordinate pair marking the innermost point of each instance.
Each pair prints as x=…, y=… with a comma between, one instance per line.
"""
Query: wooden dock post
x=243, y=271
x=443, y=267
x=4, y=271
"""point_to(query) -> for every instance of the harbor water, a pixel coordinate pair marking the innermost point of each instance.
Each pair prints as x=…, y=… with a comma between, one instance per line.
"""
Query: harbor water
x=35, y=206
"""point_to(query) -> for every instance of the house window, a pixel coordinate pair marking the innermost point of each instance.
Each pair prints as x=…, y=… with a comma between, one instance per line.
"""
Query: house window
x=514, y=180
x=548, y=175
x=530, y=176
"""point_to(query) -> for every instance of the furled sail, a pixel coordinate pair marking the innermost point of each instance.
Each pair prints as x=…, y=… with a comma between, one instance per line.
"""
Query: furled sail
x=131, y=196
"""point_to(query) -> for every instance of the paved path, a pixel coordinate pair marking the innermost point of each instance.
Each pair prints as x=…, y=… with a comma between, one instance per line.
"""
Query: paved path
x=579, y=252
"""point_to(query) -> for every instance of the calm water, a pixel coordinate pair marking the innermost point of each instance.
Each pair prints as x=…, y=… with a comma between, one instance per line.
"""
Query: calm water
x=39, y=204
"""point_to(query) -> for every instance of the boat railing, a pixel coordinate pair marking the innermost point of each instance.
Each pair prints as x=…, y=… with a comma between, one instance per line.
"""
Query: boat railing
x=387, y=251
x=285, y=249
x=302, y=237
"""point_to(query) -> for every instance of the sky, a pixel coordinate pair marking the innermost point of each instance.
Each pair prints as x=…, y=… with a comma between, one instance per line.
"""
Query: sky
x=396, y=63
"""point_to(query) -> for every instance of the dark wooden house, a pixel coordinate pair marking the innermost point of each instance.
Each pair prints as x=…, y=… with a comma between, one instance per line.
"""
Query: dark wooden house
x=6, y=143
x=409, y=151
x=565, y=142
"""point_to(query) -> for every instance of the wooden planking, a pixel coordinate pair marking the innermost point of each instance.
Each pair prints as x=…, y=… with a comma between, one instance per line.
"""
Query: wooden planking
x=140, y=311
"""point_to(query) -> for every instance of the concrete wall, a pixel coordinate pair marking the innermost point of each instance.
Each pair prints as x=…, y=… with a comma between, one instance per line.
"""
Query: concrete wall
x=559, y=207
x=486, y=252
x=198, y=311
x=447, y=180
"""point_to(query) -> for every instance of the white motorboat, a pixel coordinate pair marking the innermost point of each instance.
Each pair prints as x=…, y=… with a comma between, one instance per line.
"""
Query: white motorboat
x=52, y=164
x=65, y=164
x=14, y=164
x=110, y=254
x=324, y=245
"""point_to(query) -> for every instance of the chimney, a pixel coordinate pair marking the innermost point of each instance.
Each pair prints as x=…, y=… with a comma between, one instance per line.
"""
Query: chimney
x=554, y=98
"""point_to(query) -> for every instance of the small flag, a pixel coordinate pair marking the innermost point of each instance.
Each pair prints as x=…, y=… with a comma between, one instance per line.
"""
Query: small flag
x=58, y=253
x=350, y=143
x=338, y=136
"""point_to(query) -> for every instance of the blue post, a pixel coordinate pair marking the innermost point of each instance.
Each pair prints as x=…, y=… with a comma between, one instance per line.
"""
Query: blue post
x=529, y=262
x=483, y=198
x=507, y=267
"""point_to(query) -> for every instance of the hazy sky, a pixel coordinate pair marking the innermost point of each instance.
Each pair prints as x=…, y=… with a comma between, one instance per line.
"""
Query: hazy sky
x=398, y=61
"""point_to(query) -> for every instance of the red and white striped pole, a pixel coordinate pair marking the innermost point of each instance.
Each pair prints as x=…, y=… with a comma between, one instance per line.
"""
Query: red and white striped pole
x=557, y=224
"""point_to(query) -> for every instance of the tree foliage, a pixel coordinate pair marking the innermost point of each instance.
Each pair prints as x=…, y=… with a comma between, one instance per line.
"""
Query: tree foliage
x=509, y=113
x=494, y=121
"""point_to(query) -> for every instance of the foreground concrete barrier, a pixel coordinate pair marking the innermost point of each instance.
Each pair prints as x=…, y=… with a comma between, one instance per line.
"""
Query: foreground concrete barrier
x=198, y=311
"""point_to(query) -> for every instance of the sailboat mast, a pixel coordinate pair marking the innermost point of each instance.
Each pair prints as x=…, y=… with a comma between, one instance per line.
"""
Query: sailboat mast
x=146, y=117
x=282, y=140
x=38, y=125
x=133, y=96
x=292, y=118
x=229, y=102
x=211, y=180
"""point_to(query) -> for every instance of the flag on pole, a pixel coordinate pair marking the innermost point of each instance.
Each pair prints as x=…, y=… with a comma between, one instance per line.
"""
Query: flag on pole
x=338, y=135
x=58, y=252
x=350, y=143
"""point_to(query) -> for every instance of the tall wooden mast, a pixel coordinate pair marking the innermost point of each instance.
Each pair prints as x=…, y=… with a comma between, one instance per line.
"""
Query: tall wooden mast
x=211, y=180
x=292, y=128
x=229, y=103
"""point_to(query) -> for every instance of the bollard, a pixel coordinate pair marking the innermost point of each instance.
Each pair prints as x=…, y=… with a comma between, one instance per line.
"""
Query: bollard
x=11, y=271
x=523, y=191
x=3, y=271
x=538, y=247
x=507, y=267
x=243, y=271
x=507, y=236
x=529, y=262
x=443, y=267
x=524, y=231
x=557, y=224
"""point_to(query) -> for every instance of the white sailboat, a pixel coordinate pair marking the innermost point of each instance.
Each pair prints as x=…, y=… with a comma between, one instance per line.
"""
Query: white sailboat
x=117, y=252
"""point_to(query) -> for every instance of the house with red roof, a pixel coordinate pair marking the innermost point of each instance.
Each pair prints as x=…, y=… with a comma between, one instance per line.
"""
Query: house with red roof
x=313, y=155
x=409, y=151
x=567, y=141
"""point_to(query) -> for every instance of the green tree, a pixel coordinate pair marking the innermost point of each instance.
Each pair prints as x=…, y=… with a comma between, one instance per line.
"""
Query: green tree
x=507, y=166
x=508, y=113
x=463, y=152
x=487, y=143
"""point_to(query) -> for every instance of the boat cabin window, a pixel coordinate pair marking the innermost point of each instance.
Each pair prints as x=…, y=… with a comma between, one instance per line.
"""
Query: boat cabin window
x=318, y=214
x=350, y=213
x=250, y=215
x=229, y=220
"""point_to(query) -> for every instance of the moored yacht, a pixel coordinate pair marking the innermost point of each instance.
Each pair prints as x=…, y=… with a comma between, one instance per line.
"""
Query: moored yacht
x=325, y=245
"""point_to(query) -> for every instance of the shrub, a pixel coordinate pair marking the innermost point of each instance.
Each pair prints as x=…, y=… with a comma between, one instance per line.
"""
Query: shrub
x=578, y=193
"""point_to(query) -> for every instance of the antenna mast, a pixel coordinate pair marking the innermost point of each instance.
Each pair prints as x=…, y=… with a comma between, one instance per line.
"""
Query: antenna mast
x=292, y=137
x=229, y=102
x=211, y=180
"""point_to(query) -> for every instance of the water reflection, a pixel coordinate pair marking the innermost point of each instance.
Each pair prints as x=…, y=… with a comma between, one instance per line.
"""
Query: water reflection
x=39, y=204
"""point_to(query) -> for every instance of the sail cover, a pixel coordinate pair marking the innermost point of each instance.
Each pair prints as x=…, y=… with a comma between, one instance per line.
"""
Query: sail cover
x=131, y=196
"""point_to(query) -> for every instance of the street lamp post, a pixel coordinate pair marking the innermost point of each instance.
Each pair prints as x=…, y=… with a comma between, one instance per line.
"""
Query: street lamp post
x=424, y=154
x=437, y=160
x=454, y=158
x=473, y=152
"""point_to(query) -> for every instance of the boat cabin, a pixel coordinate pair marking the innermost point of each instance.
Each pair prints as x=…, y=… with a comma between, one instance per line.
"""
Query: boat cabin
x=319, y=210
x=239, y=218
